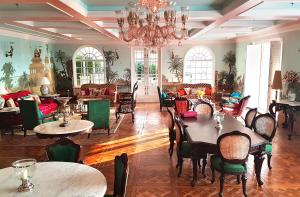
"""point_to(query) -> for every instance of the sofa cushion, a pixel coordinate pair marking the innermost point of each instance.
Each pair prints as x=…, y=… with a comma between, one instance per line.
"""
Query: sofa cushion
x=208, y=91
x=48, y=108
x=181, y=92
x=10, y=103
x=187, y=90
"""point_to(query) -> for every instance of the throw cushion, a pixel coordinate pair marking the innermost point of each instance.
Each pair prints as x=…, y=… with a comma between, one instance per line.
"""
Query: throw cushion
x=82, y=93
x=187, y=90
x=181, y=92
x=195, y=90
x=189, y=114
x=228, y=168
x=164, y=95
x=208, y=91
x=10, y=103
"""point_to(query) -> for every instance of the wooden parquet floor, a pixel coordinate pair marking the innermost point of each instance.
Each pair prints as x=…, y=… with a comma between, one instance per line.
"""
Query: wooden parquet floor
x=152, y=171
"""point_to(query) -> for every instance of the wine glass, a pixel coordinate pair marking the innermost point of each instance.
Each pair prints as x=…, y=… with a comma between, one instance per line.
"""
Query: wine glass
x=24, y=170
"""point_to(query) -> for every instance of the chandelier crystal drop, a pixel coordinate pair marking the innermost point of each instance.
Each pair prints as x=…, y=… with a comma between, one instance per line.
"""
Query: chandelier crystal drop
x=145, y=27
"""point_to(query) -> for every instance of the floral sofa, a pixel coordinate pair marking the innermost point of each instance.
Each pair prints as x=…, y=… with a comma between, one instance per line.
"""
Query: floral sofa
x=46, y=106
x=190, y=90
x=104, y=91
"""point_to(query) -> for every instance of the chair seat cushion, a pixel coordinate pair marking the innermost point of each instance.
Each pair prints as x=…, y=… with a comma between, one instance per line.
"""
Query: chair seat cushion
x=268, y=148
x=189, y=114
x=185, y=149
x=228, y=168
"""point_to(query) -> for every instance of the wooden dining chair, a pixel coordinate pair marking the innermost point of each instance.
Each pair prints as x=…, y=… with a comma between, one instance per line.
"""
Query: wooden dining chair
x=204, y=109
x=249, y=118
x=64, y=150
x=181, y=105
x=172, y=134
x=121, y=176
x=233, y=151
x=183, y=147
x=265, y=125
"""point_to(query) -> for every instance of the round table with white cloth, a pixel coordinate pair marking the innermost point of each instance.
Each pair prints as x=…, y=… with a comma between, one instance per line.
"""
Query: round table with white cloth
x=56, y=179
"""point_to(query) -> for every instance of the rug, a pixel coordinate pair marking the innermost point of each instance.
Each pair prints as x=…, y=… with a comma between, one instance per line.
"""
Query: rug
x=112, y=123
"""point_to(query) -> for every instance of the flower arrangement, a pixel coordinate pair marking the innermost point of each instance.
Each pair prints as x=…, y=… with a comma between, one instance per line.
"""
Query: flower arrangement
x=200, y=93
x=291, y=78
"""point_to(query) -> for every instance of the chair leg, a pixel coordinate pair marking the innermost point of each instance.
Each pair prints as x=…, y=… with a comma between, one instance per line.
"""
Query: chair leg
x=180, y=167
x=132, y=117
x=269, y=156
x=108, y=131
x=89, y=135
x=199, y=163
x=238, y=179
x=171, y=139
x=204, y=162
x=221, y=184
x=212, y=174
x=244, y=181
x=25, y=132
x=160, y=108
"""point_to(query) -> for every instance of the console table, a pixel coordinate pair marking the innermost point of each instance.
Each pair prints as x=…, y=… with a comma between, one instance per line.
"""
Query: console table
x=288, y=108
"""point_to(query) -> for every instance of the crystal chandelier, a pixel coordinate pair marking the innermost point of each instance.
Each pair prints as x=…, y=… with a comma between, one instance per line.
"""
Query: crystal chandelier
x=144, y=28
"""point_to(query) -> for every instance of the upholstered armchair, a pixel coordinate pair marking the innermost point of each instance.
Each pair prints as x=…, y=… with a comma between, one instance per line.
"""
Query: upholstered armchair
x=31, y=115
x=237, y=109
x=233, y=151
x=98, y=113
x=164, y=99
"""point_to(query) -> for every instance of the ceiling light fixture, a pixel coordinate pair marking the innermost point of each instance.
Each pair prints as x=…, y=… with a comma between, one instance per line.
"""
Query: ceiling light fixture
x=152, y=34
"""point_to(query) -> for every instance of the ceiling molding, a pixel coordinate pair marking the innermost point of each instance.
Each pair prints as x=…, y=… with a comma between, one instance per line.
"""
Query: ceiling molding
x=271, y=31
x=66, y=8
x=49, y=33
x=234, y=9
x=26, y=36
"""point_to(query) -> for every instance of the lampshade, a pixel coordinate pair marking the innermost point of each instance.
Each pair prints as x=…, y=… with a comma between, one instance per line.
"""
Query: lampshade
x=45, y=81
x=277, y=80
x=3, y=90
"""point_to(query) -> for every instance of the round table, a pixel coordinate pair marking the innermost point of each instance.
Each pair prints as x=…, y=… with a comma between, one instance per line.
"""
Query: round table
x=56, y=179
x=52, y=129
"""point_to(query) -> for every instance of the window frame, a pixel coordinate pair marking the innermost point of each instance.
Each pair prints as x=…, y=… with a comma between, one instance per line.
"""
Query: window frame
x=213, y=60
x=76, y=83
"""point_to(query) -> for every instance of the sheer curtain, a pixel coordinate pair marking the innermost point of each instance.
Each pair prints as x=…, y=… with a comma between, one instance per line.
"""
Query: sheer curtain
x=257, y=75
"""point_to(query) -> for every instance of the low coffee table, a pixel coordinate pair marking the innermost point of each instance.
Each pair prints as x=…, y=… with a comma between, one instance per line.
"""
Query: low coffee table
x=52, y=129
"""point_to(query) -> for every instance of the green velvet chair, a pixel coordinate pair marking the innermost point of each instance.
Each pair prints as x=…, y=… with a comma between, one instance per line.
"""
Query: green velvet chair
x=98, y=113
x=121, y=176
x=265, y=125
x=31, y=115
x=183, y=147
x=63, y=150
x=233, y=151
x=164, y=101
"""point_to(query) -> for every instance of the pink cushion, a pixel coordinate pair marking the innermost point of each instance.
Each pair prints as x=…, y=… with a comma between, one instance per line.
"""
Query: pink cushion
x=48, y=108
x=189, y=114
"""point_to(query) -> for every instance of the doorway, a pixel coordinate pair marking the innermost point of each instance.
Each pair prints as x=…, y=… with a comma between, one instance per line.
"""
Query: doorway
x=262, y=61
x=146, y=70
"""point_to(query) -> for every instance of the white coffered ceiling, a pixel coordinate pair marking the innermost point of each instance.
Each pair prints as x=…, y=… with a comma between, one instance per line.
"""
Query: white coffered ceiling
x=94, y=20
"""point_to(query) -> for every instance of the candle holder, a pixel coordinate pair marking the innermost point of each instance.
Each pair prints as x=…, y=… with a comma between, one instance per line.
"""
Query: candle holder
x=219, y=117
x=24, y=170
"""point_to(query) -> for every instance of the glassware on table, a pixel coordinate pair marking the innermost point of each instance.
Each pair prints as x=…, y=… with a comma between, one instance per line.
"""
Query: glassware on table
x=24, y=170
x=219, y=117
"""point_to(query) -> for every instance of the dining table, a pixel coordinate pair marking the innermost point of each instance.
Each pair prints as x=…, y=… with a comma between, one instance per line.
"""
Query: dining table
x=59, y=179
x=54, y=129
x=202, y=135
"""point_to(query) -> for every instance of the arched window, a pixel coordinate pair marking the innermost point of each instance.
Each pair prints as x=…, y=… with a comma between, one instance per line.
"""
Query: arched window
x=199, y=66
x=89, y=66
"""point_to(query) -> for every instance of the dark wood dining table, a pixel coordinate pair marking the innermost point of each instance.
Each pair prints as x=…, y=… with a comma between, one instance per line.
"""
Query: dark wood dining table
x=202, y=136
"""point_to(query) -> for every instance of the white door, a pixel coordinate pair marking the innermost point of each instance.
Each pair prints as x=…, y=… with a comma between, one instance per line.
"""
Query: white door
x=146, y=71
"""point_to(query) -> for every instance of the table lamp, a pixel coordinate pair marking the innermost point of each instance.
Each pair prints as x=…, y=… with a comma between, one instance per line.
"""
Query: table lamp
x=277, y=82
x=44, y=88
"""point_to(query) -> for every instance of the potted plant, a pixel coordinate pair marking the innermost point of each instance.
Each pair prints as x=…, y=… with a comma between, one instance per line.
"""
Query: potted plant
x=110, y=58
x=291, y=78
x=176, y=66
x=227, y=79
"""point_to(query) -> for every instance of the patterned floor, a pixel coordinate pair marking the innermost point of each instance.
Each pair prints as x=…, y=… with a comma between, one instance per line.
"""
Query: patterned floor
x=152, y=172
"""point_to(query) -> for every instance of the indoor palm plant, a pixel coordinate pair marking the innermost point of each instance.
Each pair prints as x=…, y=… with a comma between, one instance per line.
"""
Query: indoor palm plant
x=176, y=66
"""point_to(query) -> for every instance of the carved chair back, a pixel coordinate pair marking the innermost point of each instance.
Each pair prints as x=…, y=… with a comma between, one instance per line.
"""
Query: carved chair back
x=234, y=147
x=249, y=118
x=204, y=109
x=265, y=125
x=181, y=105
x=170, y=117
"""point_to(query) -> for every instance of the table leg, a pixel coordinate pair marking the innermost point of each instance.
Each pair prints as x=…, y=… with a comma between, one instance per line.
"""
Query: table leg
x=195, y=171
x=285, y=123
x=291, y=122
x=258, y=161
